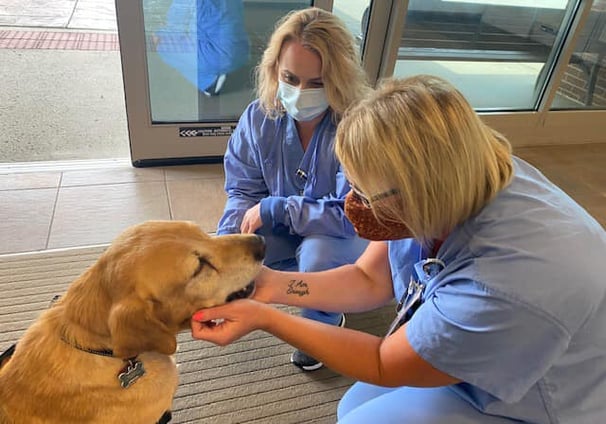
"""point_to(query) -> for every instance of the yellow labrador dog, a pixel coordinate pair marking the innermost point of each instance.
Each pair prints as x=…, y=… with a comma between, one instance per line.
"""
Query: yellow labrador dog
x=102, y=353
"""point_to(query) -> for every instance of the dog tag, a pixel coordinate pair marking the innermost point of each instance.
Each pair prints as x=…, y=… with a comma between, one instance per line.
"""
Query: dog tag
x=129, y=374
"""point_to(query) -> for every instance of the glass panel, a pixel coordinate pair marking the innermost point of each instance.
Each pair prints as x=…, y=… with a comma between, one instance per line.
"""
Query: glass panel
x=584, y=83
x=201, y=54
x=353, y=13
x=496, y=52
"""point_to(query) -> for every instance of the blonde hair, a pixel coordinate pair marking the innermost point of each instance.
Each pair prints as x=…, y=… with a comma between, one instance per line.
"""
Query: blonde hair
x=420, y=136
x=325, y=34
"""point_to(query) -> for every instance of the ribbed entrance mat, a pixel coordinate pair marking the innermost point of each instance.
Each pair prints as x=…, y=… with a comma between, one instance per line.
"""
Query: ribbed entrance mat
x=250, y=381
x=58, y=40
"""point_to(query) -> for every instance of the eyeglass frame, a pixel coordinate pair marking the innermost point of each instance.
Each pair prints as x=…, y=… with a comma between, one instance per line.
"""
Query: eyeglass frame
x=367, y=201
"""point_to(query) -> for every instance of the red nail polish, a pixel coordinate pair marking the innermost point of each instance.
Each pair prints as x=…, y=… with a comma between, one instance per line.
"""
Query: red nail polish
x=198, y=316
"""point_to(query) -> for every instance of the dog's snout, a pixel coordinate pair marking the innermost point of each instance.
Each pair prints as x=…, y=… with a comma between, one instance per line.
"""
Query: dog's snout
x=258, y=247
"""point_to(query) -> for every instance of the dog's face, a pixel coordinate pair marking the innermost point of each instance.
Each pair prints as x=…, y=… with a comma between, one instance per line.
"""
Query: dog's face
x=133, y=301
x=157, y=274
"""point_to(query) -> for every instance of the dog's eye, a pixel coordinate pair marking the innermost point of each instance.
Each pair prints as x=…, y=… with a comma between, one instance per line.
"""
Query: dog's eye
x=203, y=262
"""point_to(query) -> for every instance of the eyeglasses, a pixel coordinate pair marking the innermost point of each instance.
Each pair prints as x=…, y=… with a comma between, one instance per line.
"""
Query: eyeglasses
x=367, y=201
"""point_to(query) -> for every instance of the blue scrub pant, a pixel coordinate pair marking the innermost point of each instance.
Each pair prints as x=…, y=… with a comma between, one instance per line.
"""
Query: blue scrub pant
x=365, y=403
x=204, y=39
x=287, y=252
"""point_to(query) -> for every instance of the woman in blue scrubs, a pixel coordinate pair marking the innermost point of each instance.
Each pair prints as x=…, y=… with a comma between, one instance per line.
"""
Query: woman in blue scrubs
x=499, y=276
x=204, y=40
x=282, y=177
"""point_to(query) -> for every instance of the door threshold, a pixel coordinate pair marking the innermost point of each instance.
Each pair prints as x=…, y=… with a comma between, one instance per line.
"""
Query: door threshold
x=63, y=165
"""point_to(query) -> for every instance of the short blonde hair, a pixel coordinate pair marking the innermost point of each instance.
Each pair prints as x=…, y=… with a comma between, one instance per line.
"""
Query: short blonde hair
x=325, y=34
x=420, y=136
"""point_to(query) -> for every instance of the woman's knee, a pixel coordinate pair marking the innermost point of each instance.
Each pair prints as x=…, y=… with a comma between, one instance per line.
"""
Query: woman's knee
x=281, y=248
x=436, y=405
x=357, y=395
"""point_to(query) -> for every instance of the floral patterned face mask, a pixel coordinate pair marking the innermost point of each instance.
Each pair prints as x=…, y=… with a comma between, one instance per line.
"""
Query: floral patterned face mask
x=359, y=212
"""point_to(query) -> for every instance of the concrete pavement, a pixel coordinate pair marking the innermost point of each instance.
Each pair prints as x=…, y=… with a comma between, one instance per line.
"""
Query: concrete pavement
x=98, y=15
x=61, y=96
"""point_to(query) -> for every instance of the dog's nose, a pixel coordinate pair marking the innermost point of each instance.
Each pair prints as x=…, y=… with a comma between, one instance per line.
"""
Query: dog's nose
x=258, y=251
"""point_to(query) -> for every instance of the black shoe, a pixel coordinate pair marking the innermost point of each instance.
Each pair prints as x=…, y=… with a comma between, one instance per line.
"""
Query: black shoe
x=216, y=86
x=306, y=362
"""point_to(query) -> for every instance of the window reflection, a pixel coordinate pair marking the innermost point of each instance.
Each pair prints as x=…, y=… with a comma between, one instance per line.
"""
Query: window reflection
x=203, y=41
x=495, y=52
x=201, y=55
x=584, y=82
x=354, y=13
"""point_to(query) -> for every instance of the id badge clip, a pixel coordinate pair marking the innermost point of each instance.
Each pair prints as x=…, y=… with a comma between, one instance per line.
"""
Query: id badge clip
x=422, y=272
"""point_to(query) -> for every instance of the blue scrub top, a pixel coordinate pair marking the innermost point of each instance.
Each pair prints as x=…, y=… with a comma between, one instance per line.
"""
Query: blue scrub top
x=519, y=311
x=301, y=192
x=203, y=39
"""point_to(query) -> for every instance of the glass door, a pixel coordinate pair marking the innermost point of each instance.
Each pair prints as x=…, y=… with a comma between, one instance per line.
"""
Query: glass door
x=498, y=53
x=533, y=69
x=188, y=72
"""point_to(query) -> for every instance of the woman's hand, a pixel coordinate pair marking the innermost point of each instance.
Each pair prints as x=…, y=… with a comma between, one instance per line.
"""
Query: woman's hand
x=227, y=323
x=252, y=220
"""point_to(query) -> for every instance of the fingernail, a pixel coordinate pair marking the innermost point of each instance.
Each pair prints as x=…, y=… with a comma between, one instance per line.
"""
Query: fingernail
x=198, y=316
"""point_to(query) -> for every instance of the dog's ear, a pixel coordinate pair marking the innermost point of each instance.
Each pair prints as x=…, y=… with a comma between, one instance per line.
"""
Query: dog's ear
x=135, y=330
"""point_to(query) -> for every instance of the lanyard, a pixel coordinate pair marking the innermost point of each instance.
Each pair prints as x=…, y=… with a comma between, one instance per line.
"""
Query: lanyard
x=422, y=272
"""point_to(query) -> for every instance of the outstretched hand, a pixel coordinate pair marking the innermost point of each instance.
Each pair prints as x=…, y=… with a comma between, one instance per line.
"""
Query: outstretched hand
x=227, y=323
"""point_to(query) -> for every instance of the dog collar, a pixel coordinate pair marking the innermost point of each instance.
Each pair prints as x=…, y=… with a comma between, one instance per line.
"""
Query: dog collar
x=6, y=355
x=133, y=367
x=103, y=352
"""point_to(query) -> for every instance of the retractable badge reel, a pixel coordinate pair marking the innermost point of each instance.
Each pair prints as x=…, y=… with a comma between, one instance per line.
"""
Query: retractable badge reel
x=422, y=272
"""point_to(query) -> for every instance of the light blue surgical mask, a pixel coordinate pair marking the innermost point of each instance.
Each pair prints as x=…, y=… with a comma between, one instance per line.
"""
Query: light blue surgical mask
x=302, y=105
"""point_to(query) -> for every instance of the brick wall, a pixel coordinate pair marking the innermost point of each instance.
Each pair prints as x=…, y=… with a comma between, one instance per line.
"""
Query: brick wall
x=575, y=84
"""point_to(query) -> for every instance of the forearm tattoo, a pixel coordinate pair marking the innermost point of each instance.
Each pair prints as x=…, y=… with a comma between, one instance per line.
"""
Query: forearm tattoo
x=298, y=287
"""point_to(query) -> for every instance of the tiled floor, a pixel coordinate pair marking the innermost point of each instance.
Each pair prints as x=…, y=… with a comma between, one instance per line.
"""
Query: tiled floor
x=54, y=208
x=579, y=170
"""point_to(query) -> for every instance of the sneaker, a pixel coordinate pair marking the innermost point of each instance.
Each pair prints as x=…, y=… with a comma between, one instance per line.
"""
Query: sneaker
x=306, y=362
x=216, y=86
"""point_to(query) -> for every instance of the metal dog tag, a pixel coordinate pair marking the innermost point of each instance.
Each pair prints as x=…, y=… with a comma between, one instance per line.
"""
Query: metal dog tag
x=129, y=374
